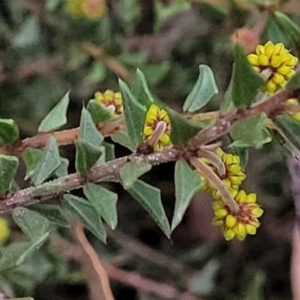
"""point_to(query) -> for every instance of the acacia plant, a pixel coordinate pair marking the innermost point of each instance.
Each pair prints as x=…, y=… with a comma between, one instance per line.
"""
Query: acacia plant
x=260, y=106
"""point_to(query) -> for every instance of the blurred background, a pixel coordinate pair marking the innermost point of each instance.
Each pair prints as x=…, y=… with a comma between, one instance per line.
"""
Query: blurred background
x=48, y=47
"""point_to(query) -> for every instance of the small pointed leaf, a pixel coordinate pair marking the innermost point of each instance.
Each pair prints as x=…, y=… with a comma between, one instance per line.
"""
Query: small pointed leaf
x=149, y=197
x=98, y=112
x=9, y=131
x=31, y=158
x=182, y=129
x=87, y=214
x=134, y=113
x=109, y=151
x=52, y=212
x=132, y=171
x=57, y=116
x=8, y=168
x=86, y=156
x=246, y=82
x=203, y=91
x=141, y=90
x=104, y=202
x=49, y=162
x=33, y=224
x=294, y=83
x=187, y=183
x=122, y=138
x=250, y=132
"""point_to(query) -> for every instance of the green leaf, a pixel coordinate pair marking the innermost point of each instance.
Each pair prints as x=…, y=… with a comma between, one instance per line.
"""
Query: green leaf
x=250, y=132
x=52, y=212
x=98, y=112
x=246, y=82
x=57, y=116
x=31, y=158
x=87, y=214
x=291, y=128
x=9, y=131
x=33, y=224
x=8, y=167
x=109, y=151
x=28, y=34
x=134, y=113
x=149, y=197
x=122, y=138
x=131, y=171
x=290, y=27
x=104, y=202
x=182, y=129
x=294, y=83
x=49, y=162
x=203, y=91
x=141, y=90
x=227, y=103
x=62, y=170
x=86, y=156
x=88, y=131
x=187, y=184
x=15, y=254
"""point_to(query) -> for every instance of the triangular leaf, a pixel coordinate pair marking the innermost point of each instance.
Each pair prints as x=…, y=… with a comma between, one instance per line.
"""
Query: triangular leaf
x=203, y=91
x=31, y=158
x=104, y=202
x=8, y=168
x=141, y=90
x=134, y=113
x=122, y=138
x=88, y=131
x=182, y=129
x=149, y=197
x=131, y=171
x=246, y=82
x=294, y=83
x=109, y=151
x=227, y=103
x=87, y=214
x=250, y=132
x=62, y=169
x=98, y=112
x=9, y=131
x=52, y=212
x=57, y=116
x=86, y=156
x=49, y=162
x=187, y=183
x=33, y=224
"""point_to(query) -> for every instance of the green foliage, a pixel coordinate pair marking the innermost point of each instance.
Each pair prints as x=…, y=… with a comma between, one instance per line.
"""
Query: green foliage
x=104, y=203
x=48, y=163
x=134, y=114
x=256, y=137
x=57, y=116
x=204, y=90
x=150, y=199
x=246, y=82
x=87, y=214
x=294, y=83
x=132, y=171
x=98, y=112
x=9, y=131
x=8, y=167
x=187, y=183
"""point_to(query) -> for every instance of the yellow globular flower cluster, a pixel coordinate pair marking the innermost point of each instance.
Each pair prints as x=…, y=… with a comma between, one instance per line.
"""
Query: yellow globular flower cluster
x=294, y=114
x=157, y=122
x=233, y=176
x=240, y=224
x=4, y=231
x=276, y=63
x=91, y=9
x=245, y=220
x=110, y=100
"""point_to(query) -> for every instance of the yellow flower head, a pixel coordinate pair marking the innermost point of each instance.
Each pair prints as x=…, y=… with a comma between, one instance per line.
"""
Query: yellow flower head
x=157, y=128
x=111, y=101
x=294, y=114
x=233, y=174
x=276, y=63
x=4, y=231
x=242, y=223
x=91, y=9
